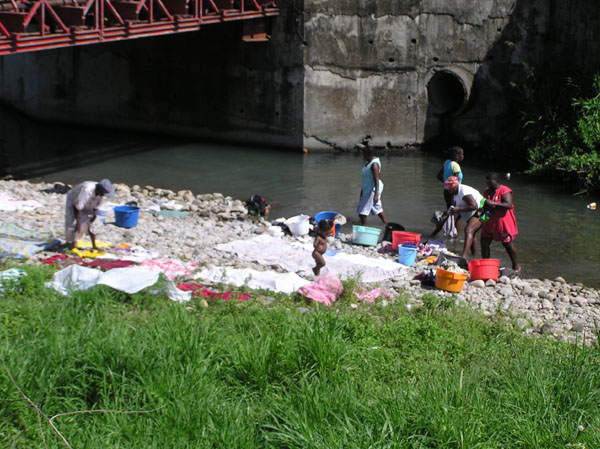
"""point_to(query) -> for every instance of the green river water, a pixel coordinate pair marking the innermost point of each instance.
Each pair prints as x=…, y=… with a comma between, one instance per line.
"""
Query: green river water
x=558, y=234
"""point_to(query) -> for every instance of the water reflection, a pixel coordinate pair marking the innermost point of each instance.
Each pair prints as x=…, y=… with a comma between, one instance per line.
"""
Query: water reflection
x=557, y=233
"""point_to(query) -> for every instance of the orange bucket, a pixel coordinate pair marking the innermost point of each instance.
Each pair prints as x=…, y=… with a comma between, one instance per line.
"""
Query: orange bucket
x=484, y=269
x=400, y=237
x=449, y=281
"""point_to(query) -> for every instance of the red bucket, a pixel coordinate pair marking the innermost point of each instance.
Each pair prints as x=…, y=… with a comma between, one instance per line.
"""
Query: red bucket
x=400, y=237
x=484, y=269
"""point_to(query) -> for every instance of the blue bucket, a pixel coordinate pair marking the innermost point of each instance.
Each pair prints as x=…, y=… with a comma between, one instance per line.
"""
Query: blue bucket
x=126, y=216
x=328, y=215
x=407, y=255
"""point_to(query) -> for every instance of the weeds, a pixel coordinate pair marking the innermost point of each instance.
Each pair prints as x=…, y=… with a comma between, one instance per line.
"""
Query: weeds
x=242, y=375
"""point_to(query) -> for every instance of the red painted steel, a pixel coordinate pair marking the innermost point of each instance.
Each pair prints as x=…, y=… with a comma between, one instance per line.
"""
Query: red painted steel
x=31, y=25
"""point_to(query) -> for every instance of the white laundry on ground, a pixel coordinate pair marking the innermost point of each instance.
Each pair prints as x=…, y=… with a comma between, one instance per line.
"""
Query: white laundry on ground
x=268, y=280
x=10, y=275
x=10, y=204
x=134, y=254
x=129, y=280
x=296, y=257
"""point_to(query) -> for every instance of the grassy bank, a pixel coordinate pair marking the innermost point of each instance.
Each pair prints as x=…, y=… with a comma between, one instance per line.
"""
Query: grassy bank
x=247, y=375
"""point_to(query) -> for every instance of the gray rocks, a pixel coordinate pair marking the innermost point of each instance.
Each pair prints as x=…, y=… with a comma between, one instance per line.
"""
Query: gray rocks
x=578, y=326
x=553, y=306
x=547, y=304
x=548, y=328
x=527, y=290
x=522, y=323
x=504, y=280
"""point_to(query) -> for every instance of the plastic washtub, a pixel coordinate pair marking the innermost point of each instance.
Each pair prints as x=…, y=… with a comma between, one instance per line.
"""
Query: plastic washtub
x=364, y=235
x=400, y=237
x=298, y=225
x=449, y=281
x=328, y=215
x=126, y=216
x=484, y=269
x=407, y=255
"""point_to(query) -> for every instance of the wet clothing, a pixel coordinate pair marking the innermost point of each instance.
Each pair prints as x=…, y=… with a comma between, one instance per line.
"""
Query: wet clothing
x=365, y=204
x=464, y=190
x=368, y=182
x=83, y=201
x=502, y=224
x=451, y=167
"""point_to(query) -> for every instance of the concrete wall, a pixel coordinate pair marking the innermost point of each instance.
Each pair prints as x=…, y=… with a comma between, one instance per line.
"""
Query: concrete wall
x=373, y=69
x=207, y=83
x=396, y=72
x=368, y=65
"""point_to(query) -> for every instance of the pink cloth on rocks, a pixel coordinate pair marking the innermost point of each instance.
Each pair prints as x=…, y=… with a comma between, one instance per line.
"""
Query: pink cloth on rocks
x=325, y=290
x=171, y=268
x=371, y=295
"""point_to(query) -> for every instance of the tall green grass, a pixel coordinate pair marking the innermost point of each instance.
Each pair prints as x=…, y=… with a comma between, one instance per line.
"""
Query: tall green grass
x=242, y=375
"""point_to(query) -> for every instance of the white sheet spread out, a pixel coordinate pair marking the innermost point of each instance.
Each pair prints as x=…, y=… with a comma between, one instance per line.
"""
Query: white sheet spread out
x=135, y=254
x=296, y=257
x=269, y=280
x=129, y=280
x=10, y=204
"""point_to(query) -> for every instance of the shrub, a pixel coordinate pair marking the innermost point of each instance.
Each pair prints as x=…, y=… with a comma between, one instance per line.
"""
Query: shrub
x=561, y=122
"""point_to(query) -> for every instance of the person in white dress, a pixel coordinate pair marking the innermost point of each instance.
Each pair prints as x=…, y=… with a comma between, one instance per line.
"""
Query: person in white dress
x=371, y=189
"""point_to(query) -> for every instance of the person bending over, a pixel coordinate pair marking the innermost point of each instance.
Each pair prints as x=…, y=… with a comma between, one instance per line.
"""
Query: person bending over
x=320, y=245
x=502, y=224
x=467, y=201
x=81, y=208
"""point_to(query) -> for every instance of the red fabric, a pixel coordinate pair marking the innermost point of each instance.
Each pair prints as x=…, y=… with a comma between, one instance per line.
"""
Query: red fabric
x=54, y=259
x=198, y=289
x=108, y=264
x=60, y=260
x=502, y=225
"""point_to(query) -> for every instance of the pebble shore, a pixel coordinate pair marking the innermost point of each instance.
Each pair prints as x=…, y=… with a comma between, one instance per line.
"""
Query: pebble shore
x=555, y=308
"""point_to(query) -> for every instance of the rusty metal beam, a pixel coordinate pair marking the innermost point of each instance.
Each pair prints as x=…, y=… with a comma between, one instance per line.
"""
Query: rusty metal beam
x=66, y=25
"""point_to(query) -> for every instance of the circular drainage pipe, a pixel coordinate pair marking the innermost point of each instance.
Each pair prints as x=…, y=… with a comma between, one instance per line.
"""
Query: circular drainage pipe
x=449, y=90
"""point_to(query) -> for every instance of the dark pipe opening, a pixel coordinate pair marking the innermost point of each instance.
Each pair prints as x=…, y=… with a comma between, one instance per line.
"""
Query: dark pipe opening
x=446, y=92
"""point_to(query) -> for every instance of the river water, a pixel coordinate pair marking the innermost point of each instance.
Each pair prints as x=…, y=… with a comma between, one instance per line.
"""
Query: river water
x=558, y=234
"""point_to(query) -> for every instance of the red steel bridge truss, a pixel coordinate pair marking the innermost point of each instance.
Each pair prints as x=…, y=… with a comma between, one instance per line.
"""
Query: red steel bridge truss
x=29, y=25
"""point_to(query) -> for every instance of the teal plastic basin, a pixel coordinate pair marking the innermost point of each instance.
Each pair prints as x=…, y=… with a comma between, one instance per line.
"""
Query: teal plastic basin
x=363, y=235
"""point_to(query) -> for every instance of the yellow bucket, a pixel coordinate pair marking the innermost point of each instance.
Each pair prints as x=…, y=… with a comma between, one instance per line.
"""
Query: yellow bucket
x=449, y=281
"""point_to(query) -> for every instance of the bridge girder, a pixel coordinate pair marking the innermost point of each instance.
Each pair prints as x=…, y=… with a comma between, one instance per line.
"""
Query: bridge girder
x=31, y=25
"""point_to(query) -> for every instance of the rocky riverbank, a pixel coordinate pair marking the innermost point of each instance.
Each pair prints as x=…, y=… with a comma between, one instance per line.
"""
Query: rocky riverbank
x=539, y=307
